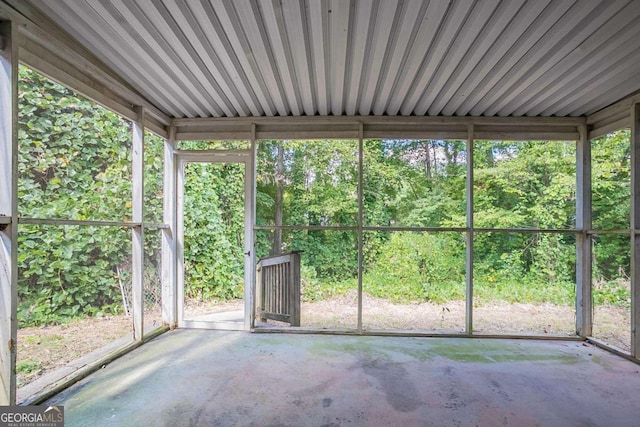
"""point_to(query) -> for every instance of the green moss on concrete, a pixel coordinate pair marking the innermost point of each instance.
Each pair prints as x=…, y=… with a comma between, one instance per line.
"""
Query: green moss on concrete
x=462, y=350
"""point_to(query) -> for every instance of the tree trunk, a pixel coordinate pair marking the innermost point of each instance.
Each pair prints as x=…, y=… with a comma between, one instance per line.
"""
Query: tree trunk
x=277, y=235
x=427, y=159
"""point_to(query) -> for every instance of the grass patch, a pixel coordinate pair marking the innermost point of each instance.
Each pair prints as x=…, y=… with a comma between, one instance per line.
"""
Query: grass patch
x=27, y=367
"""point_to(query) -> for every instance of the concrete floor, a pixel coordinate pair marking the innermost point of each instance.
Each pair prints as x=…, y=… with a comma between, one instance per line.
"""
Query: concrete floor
x=220, y=378
x=224, y=316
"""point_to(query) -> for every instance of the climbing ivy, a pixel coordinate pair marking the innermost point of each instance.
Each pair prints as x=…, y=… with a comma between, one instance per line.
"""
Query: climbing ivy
x=74, y=163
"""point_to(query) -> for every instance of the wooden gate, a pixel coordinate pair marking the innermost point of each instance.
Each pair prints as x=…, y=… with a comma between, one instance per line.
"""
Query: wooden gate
x=278, y=288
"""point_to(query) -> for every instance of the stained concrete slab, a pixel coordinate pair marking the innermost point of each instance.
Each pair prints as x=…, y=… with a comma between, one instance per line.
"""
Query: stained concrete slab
x=219, y=378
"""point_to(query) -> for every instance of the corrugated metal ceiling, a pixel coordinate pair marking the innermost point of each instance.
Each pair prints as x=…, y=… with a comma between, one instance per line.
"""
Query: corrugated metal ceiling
x=224, y=58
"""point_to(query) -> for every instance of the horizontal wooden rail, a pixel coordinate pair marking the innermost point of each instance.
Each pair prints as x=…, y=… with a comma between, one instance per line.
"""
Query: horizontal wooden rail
x=91, y=223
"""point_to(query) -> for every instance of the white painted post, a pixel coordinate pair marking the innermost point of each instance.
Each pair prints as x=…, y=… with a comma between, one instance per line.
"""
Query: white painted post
x=584, y=303
x=9, y=210
x=360, y=219
x=179, y=238
x=635, y=230
x=169, y=253
x=469, y=247
x=137, y=254
x=249, y=249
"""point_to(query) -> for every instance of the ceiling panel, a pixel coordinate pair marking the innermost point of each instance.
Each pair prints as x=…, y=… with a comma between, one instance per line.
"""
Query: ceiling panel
x=247, y=58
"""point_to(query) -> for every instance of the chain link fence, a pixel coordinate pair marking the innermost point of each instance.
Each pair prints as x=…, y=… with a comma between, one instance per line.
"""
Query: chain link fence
x=152, y=287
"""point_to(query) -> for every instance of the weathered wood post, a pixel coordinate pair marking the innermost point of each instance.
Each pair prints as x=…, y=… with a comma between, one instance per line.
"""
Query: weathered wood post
x=295, y=288
x=584, y=305
x=635, y=230
x=8, y=210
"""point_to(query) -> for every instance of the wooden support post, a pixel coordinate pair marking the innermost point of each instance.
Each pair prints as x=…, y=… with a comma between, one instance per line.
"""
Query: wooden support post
x=256, y=278
x=635, y=226
x=360, y=219
x=169, y=253
x=249, y=221
x=179, y=237
x=470, y=232
x=259, y=293
x=137, y=254
x=294, y=271
x=8, y=209
x=584, y=304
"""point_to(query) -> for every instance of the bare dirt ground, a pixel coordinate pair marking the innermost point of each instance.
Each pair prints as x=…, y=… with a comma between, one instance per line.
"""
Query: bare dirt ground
x=611, y=323
x=43, y=349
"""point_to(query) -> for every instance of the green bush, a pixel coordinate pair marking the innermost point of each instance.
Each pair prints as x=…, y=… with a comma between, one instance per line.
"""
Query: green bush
x=418, y=266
